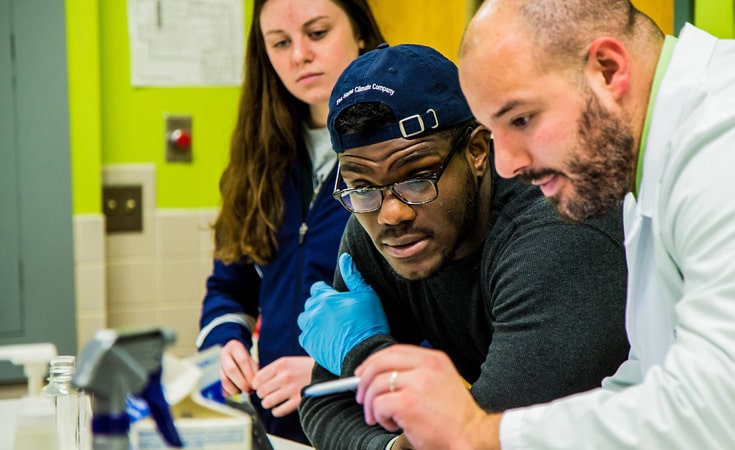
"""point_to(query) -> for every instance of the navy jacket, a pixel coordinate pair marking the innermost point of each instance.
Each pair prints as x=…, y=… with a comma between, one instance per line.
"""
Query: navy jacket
x=276, y=292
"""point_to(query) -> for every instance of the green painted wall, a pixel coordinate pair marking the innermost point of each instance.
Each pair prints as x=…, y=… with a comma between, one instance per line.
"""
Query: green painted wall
x=113, y=123
x=716, y=16
x=82, y=40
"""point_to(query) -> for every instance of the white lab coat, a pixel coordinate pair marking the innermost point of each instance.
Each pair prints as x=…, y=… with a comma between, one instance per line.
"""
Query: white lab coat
x=677, y=390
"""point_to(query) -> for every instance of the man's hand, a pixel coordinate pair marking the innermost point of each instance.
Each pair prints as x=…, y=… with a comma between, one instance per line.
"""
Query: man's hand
x=419, y=390
x=237, y=368
x=334, y=322
x=279, y=383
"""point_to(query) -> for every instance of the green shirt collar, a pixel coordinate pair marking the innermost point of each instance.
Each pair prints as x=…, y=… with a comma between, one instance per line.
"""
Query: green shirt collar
x=663, y=63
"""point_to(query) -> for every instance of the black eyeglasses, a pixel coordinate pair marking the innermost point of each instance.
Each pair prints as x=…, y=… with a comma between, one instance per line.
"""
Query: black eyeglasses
x=415, y=191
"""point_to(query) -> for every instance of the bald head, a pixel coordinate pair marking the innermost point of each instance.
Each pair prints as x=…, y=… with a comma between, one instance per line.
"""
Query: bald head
x=537, y=37
x=560, y=30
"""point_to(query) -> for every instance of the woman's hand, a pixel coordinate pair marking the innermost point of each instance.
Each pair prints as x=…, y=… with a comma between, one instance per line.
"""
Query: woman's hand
x=279, y=383
x=237, y=368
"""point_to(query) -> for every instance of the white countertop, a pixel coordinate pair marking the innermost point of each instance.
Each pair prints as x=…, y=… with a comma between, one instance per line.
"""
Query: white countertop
x=7, y=427
x=284, y=444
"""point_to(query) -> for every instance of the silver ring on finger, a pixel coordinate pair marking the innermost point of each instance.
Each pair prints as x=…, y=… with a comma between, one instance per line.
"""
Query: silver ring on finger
x=392, y=381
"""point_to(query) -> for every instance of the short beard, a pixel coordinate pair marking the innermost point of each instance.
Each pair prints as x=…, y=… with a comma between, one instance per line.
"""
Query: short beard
x=602, y=170
x=466, y=225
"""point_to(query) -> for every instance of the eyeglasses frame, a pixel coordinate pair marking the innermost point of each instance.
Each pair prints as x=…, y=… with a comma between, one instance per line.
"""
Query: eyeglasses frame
x=431, y=177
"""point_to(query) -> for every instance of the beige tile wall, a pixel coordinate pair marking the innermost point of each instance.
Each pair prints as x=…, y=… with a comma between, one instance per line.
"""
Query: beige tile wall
x=90, y=276
x=151, y=278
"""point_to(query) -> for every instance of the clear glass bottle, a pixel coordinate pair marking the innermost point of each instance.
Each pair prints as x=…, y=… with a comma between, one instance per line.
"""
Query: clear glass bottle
x=66, y=401
x=85, y=420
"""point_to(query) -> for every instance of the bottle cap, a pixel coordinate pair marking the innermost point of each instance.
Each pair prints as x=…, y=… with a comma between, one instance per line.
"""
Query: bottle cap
x=61, y=368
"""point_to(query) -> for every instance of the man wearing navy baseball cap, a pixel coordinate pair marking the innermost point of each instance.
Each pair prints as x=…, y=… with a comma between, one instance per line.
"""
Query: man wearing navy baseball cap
x=442, y=253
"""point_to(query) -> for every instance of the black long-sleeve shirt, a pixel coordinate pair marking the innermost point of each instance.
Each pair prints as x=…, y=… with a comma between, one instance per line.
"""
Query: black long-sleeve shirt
x=535, y=314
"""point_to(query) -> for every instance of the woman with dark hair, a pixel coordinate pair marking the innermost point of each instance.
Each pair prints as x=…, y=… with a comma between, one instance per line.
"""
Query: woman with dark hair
x=279, y=228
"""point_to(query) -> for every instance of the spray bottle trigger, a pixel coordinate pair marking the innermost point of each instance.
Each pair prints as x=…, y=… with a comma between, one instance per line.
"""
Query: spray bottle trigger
x=153, y=395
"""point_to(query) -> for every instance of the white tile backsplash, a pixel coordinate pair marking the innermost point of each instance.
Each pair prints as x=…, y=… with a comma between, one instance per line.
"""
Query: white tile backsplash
x=91, y=287
x=206, y=234
x=87, y=324
x=90, y=275
x=177, y=233
x=89, y=237
x=151, y=278
x=142, y=317
x=179, y=281
x=131, y=283
x=185, y=321
x=134, y=244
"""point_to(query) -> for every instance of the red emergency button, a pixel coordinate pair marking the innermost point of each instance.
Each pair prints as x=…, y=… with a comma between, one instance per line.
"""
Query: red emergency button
x=181, y=139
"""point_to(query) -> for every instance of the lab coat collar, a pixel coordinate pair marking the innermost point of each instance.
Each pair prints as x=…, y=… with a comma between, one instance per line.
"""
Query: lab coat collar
x=693, y=49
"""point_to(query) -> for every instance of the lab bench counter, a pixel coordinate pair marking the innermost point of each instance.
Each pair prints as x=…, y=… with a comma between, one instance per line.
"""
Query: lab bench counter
x=8, y=409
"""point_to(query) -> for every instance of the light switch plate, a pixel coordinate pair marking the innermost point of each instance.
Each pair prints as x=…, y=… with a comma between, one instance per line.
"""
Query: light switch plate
x=123, y=208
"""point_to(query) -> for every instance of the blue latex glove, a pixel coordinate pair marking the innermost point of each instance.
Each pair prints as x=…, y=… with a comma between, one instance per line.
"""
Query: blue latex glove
x=334, y=322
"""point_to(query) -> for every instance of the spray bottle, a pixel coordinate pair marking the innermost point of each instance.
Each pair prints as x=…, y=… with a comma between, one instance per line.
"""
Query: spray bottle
x=115, y=364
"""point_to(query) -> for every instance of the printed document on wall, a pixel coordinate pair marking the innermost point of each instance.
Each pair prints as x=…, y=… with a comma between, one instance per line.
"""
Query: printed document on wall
x=186, y=42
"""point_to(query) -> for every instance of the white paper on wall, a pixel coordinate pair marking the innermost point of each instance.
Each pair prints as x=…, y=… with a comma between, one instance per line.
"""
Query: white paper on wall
x=186, y=42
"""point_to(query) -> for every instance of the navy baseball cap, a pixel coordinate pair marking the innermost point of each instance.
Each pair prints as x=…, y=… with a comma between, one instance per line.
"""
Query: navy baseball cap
x=416, y=82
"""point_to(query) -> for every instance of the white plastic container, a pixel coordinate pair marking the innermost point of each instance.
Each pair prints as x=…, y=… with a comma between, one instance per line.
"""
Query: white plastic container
x=35, y=425
x=34, y=358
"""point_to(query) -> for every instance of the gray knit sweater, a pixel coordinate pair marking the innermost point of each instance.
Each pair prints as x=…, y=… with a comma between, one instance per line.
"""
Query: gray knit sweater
x=535, y=314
